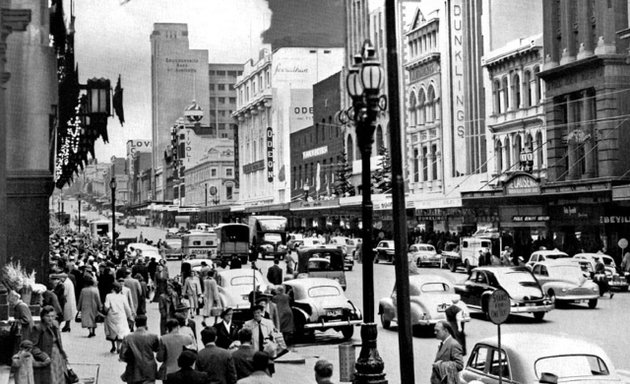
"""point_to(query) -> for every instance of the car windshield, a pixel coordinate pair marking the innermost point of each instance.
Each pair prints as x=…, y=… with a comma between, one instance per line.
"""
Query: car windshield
x=556, y=255
x=318, y=265
x=324, y=291
x=243, y=280
x=573, y=273
x=567, y=366
x=512, y=281
x=435, y=287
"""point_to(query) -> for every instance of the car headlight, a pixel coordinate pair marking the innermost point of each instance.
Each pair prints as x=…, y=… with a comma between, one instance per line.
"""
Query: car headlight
x=564, y=290
x=595, y=288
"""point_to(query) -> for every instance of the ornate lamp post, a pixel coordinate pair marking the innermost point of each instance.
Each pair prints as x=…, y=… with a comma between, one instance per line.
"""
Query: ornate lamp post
x=364, y=86
x=112, y=186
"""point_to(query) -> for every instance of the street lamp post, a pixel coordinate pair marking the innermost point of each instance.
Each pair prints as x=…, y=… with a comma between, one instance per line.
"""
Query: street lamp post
x=112, y=186
x=363, y=83
x=79, y=198
x=206, y=203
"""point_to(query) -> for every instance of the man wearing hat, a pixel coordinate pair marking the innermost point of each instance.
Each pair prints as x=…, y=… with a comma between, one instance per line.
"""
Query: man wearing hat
x=270, y=309
x=186, y=374
x=261, y=328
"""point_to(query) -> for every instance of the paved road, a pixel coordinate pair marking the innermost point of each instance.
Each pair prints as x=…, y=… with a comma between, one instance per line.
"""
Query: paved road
x=604, y=325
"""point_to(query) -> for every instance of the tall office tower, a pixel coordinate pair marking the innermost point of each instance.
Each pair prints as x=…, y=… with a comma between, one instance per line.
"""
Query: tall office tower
x=178, y=76
x=222, y=99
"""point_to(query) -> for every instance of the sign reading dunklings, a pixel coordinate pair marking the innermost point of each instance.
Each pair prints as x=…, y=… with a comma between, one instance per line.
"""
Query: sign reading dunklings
x=270, y=154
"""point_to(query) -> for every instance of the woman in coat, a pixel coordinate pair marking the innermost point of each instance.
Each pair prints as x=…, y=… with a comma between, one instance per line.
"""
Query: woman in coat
x=285, y=314
x=192, y=291
x=226, y=330
x=161, y=279
x=46, y=338
x=211, y=298
x=90, y=305
x=118, y=311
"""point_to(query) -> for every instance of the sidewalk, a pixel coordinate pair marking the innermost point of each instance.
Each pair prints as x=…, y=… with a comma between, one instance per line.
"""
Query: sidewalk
x=94, y=364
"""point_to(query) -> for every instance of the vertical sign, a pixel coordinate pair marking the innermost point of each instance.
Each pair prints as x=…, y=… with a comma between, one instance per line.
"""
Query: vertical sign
x=457, y=87
x=236, y=162
x=270, y=154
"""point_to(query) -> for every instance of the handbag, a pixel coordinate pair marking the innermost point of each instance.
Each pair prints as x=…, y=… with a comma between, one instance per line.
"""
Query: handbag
x=77, y=317
x=71, y=376
x=280, y=344
x=100, y=318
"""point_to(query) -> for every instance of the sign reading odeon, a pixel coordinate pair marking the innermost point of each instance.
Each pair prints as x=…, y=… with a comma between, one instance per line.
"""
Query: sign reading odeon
x=269, y=154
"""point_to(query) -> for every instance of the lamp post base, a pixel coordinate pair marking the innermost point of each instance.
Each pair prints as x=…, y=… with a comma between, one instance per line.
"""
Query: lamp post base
x=369, y=365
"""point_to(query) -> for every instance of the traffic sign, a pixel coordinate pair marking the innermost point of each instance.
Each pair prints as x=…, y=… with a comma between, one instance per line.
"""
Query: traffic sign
x=499, y=306
x=623, y=243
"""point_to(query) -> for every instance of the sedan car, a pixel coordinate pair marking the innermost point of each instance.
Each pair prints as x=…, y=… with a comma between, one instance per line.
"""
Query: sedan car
x=384, y=250
x=588, y=261
x=311, y=242
x=564, y=282
x=424, y=254
x=429, y=295
x=321, y=304
x=347, y=246
x=538, y=358
x=235, y=285
x=172, y=249
x=526, y=295
x=544, y=255
x=145, y=249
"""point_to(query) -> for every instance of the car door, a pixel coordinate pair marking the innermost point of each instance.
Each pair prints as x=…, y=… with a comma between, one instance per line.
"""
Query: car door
x=471, y=289
x=541, y=274
x=485, y=366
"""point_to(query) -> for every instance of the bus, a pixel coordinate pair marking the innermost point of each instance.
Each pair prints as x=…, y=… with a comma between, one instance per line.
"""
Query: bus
x=100, y=228
x=233, y=239
x=268, y=236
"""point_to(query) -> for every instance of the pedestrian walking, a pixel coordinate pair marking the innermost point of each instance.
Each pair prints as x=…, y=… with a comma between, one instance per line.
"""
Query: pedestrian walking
x=89, y=305
x=117, y=311
x=274, y=273
x=70, y=302
x=212, y=302
x=261, y=328
x=243, y=356
x=50, y=298
x=171, y=346
x=192, y=291
x=106, y=281
x=59, y=291
x=161, y=281
x=46, y=337
x=135, y=290
x=216, y=362
x=186, y=329
x=226, y=330
x=288, y=260
x=186, y=374
x=25, y=360
x=138, y=351
x=261, y=370
x=144, y=295
x=323, y=372
x=167, y=303
x=455, y=317
x=283, y=304
x=448, y=360
x=601, y=279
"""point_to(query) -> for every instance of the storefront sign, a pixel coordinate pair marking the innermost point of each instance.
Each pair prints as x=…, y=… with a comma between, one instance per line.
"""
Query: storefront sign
x=529, y=218
x=315, y=152
x=459, y=155
x=522, y=184
x=270, y=154
x=253, y=167
x=614, y=219
x=424, y=204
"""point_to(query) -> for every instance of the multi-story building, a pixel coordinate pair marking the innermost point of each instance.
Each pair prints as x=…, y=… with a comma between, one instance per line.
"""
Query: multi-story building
x=178, y=75
x=140, y=178
x=222, y=78
x=275, y=99
x=133, y=147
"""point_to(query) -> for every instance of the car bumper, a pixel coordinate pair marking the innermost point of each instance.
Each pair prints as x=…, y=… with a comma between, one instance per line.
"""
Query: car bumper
x=595, y=295
x=333, y=324
x=531, y=308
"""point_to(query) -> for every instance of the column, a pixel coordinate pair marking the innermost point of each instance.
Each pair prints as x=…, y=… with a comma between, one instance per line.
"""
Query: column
x=567, y=48
x=584, y=29
x=572, y=171
x=587, y=128
x=510, y=97
x=430, y=157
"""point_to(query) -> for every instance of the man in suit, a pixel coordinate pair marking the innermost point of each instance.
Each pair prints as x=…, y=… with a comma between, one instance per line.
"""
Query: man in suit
x=260, y=327
x=261, y=373
x=216, y=362
x=274, y=274
x=186, y=374
x=243, y=357
x=448, y=360
x=171, y=346
x=137, y=350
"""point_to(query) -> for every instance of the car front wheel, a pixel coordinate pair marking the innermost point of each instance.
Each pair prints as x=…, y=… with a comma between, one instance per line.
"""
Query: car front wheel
x=385, y=322
x=592, y=303
x=539, y=316
x=347, y=332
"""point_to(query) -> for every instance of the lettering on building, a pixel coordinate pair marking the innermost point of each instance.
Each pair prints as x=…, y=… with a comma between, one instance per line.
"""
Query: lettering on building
x=522, y=185
x=270, y=154
x=457, y=89
x=524, y=219
x=315, y=152
x=290, y=68
x=181, y=64
x=253, y=167
x=614, y=219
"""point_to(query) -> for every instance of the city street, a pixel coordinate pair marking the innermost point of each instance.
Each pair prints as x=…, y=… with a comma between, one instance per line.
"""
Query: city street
x=579, y=321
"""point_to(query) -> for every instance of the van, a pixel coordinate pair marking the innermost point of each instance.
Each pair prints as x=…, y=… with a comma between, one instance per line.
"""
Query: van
x=469, y=249
x=199, y=245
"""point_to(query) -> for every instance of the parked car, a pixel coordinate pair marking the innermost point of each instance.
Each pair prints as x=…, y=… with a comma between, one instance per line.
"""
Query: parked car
x=424, y=254
x=311, y=242
x=588, y=262
x=525, y=293
x=131, y=222
x=384, y=250
x=347, y=246
x=320, y=304
x=564, y=282
x=146, y=250
x=235, y=285
x=543, y=255
x=538, y=358
x=429, y=295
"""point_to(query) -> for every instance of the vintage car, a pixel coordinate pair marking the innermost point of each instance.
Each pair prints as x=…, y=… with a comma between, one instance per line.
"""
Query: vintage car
x=384, y=250
x=543, y=255
x=538, y=358
x=424, y=254
x=525, y=293
x=588, y=262
x=321, y=262
x=320, y=304
x=294, y=240
x=172, y=249
x=429, y=295
x=311, y=242
x=564, y=282
x=235, y=286
x=145, y=249
x=347, y=246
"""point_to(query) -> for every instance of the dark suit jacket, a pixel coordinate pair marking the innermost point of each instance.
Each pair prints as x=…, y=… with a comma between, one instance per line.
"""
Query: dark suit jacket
x=243, y=359
x=274, y=275
x=225, y=338
x=187, y=376
x=450, y=351
x=138, y=351
x=217, y=363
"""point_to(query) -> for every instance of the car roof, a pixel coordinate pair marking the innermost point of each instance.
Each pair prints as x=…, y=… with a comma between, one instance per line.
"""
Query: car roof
x=230, y=273
x=590, y=255
x=196, y=262
x=531, y=346
x=142, y=246
x=308, y=282
x=559, y=262
x=501, y=270
x=549, y=252
x=423, y=279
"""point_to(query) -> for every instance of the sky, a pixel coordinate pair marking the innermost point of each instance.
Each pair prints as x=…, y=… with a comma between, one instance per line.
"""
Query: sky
x=113, y=39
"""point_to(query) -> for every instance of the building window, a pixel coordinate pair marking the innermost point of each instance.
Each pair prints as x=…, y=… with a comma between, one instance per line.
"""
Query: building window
x=497, y=97
x=434, y=162
x=221, y=125
x=221, y=87
x=505, y=95
x=228, y=172
x=412, y=110
x=220, y=73
x=231, y=87
x=221, y=100
x=498, y=156
x=431, y=105
x=232, y=100
x=224, y=135
x=228, y=192
x=222, y=113
x=421, y=108
x=538, y=95
x=507, y=153
x=213, y=172
x=538, y=148
x=528, y=83
x=212, y=87
x=211, y=73
x=516, y=91
x=416, y=165
x=425, y=164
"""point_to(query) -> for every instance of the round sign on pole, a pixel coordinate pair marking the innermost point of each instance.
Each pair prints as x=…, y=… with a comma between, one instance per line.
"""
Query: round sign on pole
x=623, y=243
x=499, y=306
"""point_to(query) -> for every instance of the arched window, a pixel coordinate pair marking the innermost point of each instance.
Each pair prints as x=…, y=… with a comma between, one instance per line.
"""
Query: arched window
x=517, y=149
x=516, y=92
x=538, y=96
x=496, y=90
x=539, y=150
x=421, y=105
x=431, y=105
x=330, y=126
x=416, y=165
x=506, y=152
x=527, y=82
x=505, y=95
x=434, y=161
x=350, y=149
x=498, y=155
x=425, y=164
x=413, y=118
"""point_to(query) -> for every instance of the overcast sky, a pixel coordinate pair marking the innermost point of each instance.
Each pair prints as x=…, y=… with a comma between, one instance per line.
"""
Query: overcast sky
x=113, y=39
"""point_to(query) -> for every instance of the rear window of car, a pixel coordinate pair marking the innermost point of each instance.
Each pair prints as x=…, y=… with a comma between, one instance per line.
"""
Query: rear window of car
x=567, y=366
x=435, y=287
x=512, y=281
x=243, y=280
x=324, y=291
x=556, y=255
